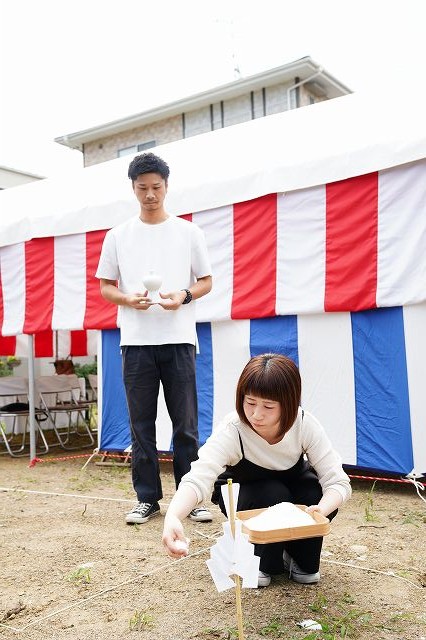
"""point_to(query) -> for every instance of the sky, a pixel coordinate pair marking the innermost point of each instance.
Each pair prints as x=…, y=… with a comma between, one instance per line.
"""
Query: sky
x=69, y=66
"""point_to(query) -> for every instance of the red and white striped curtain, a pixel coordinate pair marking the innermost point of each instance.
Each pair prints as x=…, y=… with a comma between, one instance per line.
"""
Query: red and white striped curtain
x=52, y=344
x=345, y=246
x=350, y=245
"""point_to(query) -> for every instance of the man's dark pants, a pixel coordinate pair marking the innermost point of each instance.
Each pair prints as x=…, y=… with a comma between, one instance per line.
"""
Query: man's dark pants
x=143, y=369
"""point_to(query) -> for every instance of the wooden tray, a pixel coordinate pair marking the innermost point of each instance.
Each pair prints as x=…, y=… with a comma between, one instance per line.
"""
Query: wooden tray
x=320, y=528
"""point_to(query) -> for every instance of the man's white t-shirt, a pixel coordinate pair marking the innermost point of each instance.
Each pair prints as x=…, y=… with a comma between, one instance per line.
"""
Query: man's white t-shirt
x=175, y=249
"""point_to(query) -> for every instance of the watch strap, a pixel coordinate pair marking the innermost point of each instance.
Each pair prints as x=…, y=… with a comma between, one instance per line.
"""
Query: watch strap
x=188, y=297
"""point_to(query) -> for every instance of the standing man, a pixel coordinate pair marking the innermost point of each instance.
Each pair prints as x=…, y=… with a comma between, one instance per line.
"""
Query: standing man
x=157, y=339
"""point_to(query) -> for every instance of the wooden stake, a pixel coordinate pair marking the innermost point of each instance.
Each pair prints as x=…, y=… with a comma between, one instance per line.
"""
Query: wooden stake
x=236, y=577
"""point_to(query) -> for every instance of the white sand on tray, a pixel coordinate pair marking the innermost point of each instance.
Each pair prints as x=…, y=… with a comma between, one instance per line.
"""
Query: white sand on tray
x=280, y=516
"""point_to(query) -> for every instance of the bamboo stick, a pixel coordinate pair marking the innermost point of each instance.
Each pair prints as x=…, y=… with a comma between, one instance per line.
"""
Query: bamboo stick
x=236, y=577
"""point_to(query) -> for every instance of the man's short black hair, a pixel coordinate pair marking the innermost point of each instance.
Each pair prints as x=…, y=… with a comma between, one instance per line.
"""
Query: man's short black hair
x=148, y=163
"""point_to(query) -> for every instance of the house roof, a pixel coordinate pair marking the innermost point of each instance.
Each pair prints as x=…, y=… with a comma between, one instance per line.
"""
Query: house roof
x=305, y=68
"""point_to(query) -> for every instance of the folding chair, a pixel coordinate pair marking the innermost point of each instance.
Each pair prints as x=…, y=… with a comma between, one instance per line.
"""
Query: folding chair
x=87, y=404
x=93, y=383
x=15, y=416
x=60, y=399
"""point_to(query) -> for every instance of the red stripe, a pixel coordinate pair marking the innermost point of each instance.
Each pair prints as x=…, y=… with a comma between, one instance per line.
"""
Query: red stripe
x=100, y=314
x=43, y=344
x=187, y=216
x=39, y=284
x=7, y=345
x=78, y=343
x=351, y=244
x=255, y=258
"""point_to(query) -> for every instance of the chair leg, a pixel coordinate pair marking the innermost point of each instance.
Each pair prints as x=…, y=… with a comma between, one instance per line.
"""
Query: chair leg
x=85, y=423
x=13, y=451
x=64, y=438
x=42, y=437
x=51, y=421
x=19, y=451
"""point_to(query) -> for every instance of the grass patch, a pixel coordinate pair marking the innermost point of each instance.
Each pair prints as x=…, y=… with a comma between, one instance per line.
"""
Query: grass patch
x=369, y=514
x=140, y=620
x=416, y=518
x=81, y=575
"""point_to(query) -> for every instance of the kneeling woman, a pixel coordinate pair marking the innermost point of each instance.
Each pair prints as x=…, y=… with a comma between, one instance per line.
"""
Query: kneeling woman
x=278, y=453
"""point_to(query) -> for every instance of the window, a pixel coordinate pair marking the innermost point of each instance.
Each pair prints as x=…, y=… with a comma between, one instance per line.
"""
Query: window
x=127, y=151
x=135, y=148
x=146, y=145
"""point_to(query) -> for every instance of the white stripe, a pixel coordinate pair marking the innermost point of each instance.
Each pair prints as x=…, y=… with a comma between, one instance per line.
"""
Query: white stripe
x=326, y=367
x=100, y=386
x=218, y=227
x=231, y=352
x=70, y=282
x=415, y=351
x=21, y=346
x=92, y=342
x=401, y=269
x=301, y=251
x=13, y=285
x=64, y=343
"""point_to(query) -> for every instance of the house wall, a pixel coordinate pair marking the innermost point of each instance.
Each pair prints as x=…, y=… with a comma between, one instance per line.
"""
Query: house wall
x=104, y=149
x=256, y=104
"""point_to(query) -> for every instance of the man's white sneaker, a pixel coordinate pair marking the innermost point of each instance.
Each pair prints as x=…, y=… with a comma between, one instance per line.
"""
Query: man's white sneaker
x=264, y=579
x=296, y=574
x=200, y=514
x=142, y=512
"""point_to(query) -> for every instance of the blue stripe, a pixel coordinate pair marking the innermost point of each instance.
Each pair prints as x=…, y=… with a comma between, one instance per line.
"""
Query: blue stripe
x=115, y=434
x=204, y=373
x=381, y=391
x=275, y=335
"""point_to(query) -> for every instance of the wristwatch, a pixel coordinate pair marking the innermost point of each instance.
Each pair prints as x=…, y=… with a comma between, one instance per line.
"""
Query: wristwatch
x=188, y=297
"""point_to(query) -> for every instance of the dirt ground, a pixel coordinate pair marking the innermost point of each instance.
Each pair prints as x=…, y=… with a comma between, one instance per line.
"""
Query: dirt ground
x=72, y=569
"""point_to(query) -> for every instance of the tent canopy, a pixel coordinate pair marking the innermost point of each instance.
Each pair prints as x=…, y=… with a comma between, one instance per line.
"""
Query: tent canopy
x=326, y=142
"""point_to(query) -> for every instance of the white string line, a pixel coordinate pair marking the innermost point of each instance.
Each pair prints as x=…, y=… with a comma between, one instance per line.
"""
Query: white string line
x=104, y=591
x=95, y=453
x=72, y=495
x=418, y=486
x=65, y=495
x=384, y=573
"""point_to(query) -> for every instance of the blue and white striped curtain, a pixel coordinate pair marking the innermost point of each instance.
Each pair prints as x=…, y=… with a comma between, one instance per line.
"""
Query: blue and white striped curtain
x=363, y=377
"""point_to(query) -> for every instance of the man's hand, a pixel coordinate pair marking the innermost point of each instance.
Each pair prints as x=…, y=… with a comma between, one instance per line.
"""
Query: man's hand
x=112, y=293
x=138, y=301
x=173, y=300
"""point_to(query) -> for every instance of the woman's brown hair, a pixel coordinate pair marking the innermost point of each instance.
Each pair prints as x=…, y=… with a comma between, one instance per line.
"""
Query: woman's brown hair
x=271, y=376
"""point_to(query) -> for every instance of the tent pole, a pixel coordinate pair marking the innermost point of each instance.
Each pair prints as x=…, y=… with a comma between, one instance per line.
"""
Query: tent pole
x=31, y=396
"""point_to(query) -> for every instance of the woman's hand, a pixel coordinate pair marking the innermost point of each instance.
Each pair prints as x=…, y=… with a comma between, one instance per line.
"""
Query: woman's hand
x=314, y=507
x=330, y=501
x=174, y=540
